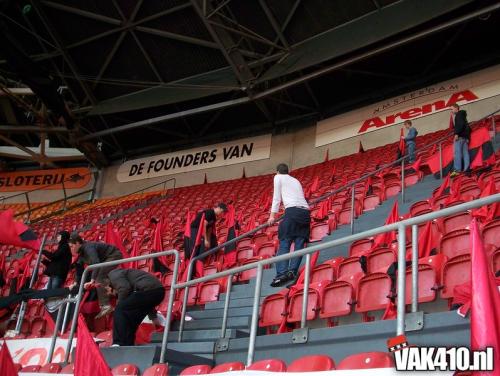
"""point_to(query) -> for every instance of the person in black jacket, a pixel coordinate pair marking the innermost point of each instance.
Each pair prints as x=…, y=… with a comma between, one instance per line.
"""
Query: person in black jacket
x=138, y=294
x=58, y=263
x=462, y=133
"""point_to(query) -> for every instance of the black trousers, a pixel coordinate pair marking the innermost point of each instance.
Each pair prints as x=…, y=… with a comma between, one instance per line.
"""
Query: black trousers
x=130, y=312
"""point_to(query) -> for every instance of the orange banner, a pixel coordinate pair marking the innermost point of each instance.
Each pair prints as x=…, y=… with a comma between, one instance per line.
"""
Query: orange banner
x=44, y=179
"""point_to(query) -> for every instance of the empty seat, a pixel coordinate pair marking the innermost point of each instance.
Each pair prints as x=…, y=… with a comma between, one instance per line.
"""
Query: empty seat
x=491, y=233
x=209, y=292
x=156, y=370
x=267, y=249
x=367, y=360
x=273, y=309
x=349, y=266
x=429, y=279
x=337, y=298
x=312, y=363
x=244, y=253
x=319, y=231
x=201, y=369
x=419, y=207
x=51, y=368
x=455, y=243
x=392, y=189
x=313, y=301
x=268, y=365
x=380, y=258
x=323, y=272
x=360, y=246
x=456, y=271
x=370, y=202
x=456, y=222
x=228, y=367
x=373, y=292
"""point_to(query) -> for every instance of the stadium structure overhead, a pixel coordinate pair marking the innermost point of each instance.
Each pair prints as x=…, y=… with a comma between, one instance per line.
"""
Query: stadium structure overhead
x=120, y=78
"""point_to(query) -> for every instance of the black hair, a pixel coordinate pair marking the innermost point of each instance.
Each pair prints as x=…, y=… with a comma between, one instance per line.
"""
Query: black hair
x=282, y=168
x=75, y=238
x=64, y=236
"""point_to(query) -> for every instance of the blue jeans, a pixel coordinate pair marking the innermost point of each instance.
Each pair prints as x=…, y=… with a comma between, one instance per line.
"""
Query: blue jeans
x=293, y=264
x=54, y=282
x=410, y=146
x=461, y=152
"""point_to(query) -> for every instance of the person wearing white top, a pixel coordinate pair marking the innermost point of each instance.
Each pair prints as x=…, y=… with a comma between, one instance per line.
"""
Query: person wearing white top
x=295, y=225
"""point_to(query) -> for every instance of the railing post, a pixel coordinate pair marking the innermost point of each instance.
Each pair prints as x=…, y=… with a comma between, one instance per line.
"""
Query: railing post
x=56, y=329
x=440, y=160
x=414, y=268
x=29, y=206
x=353, y=190
x=226, y=306
x=184, y=302
x=403, y=180
x=65, y=196
x=305, y=294
x=401, y=280
x=65, y=320
x=255, y=316
x=22, y=309
x=171, y=298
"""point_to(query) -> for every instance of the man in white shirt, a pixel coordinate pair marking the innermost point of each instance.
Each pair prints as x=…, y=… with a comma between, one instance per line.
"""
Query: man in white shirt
x=295, y=225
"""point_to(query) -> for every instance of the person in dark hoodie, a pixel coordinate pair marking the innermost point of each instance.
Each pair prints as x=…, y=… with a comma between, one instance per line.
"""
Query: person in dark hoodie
x=57, y=263
x=94, y=253
x=461, y=129
x=138, y=293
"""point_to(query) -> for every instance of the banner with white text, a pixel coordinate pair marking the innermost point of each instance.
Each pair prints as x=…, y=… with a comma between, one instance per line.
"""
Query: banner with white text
x=419, y=103
x=218, y=155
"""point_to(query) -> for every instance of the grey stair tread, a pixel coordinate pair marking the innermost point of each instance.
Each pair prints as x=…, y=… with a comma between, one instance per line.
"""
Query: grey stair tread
x=232, y=322
x=244, y=302
x=217, y=313
x=199, y=335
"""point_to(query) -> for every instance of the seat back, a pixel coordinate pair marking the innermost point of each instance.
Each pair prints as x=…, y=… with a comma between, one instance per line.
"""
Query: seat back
x=209, y=292
x=228, y=367
x=267, y=249
x=456, y=222
x=372, y=292
x=367, y=360
x=268, y=365
x=323, y=272
x=380, y=258
x=456, y=271
x=244, y=253
x=360, y=246
x=156, y=370
x=312, y=363
x=455, y=243
x=295, y=305
x=491, y=233
x=273, y=309
x=371, y=202
x=349, y=266
x=201, y=369
x=336, y=299
x=319, y=231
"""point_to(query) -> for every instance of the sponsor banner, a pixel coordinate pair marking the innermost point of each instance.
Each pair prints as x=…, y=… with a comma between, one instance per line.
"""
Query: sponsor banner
x=350, y=372
x=225, y=154
x=35, y=351
x=28, y=180
x=419, y=103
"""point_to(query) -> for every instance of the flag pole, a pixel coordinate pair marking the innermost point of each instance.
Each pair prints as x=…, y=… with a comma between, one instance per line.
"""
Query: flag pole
x=22, y=309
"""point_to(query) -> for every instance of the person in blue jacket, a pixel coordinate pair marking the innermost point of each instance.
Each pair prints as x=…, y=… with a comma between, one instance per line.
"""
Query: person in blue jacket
x=410, y=140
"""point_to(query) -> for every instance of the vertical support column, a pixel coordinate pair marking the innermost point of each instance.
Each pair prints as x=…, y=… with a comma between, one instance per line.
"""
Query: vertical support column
x=226, y=306
x=401, y=280
x=353, y=191
x=255, y=316
x=305, y=295
x=184, y=302
x=54, y=335
x=65, y=196
x=29, y=206
x=171, y=298
x=414, y=268
x=403, y=180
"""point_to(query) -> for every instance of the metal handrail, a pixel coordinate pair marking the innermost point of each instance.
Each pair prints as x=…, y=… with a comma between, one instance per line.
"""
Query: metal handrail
x=399, y=226
x=350, y=184
x=171, y=296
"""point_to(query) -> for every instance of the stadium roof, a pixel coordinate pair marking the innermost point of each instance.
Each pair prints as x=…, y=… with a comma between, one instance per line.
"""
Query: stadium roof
x=141, y=77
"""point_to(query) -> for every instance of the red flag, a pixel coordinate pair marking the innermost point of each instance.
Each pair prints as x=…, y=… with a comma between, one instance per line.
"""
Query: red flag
x=230, y=250
x=6, y=362
x=451, y=124
x=426, y=242
x=16, y=233
x=416, y=165
x=442, y=187
x=485, y=305
x=401, y=146
x=314, y=185
x=334, y=171
x=112, y=236
x=388, y=237
x=88, y=359
x=133, y=253
x=194, y=253
x=361, y=149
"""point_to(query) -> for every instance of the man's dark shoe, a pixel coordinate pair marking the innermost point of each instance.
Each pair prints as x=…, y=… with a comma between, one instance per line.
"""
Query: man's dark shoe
x=293, y=277
x=280, y=280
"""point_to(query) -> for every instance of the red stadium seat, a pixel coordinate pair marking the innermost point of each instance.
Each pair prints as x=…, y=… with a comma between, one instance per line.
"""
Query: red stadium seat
x=455, y=243
x=349, y=266
x=228, y=367
x=313, y=301
x=338, y=298
x=455, y=272
x=323, y=272
x=312, y=363
x=319, y=231
x=258, y=239
x=267, y=249
x=268, y=365
x=491, y=233
x=456, y=222
x=429, y=278
x=367, y=360
x=419, y=207
x=244, y=253
x=156, y=370
x=68, y=369
x=202, y=369
x=51, y=368
x=38, y=326
x=371, y=202
x=373, y=292
x=125, y=369
x=392, y=189
x=360, y=246
x=273, y=309
x=32, y=369
x=380, y=258
x=209, y=292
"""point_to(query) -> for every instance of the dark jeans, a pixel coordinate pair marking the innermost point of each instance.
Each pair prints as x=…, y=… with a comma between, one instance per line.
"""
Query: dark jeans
x=293, y=264
x=54, y=282
x=130, y=312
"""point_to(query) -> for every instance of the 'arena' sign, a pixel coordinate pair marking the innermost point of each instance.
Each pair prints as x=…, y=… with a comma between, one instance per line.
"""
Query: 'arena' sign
x=419, y=103
x=245, y=150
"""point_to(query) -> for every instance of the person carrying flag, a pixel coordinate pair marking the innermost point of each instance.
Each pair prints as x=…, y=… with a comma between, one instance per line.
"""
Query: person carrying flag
x=208, y=228
x=410, y=139
x=57, y=263
x=94, y=253
x=295, y=225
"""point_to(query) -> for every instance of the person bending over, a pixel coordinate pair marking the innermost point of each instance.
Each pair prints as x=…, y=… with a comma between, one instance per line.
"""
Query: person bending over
x=295, y=225
x=94, y=253
x=138, y=294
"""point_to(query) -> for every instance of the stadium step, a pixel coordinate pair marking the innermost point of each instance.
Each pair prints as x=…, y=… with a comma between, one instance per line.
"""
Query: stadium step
x=199, y=335
x=217, y=313
x=241, y=323
x=197, y=348
x=234, y=303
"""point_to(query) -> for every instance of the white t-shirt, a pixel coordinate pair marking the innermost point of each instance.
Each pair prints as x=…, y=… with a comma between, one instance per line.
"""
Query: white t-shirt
x=289, y=190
